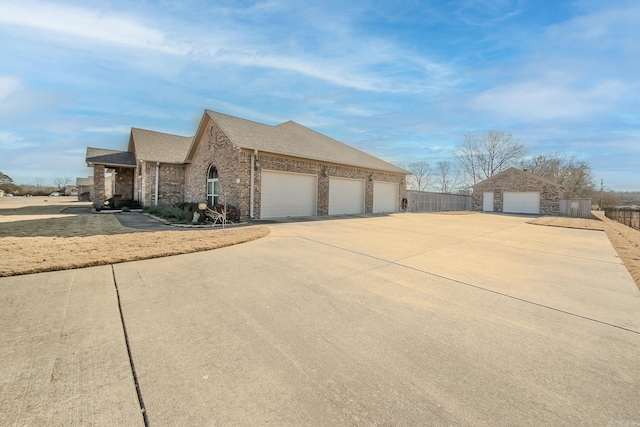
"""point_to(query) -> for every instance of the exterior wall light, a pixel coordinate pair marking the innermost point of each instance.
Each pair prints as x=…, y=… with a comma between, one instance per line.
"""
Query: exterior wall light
x=256, y=164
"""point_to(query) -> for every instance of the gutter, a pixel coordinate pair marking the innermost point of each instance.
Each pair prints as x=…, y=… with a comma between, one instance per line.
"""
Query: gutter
x=141, y=183
x=157, y=181
x=251, y=183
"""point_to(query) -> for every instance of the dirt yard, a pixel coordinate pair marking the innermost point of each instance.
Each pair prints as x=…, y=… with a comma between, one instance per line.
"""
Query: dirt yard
x=37, y=236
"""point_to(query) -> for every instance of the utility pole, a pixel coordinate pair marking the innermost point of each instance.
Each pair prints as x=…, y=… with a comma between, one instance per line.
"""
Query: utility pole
x=601, y=191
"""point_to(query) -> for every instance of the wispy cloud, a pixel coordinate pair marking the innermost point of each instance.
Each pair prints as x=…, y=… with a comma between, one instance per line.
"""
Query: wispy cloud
x=404, y=79
x=535, y=100
x=108, y=129
x=104, y=26
x=12, y=141
x=572, y=72
x=9, y=85
x=487, y=12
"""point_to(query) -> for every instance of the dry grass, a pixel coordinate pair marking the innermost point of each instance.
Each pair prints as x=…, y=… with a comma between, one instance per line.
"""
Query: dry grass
x=626, y=241
x=36, y=238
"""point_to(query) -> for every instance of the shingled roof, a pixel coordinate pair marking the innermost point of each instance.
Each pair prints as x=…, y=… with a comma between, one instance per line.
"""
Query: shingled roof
x=152, y=146
x=293, y=139
x=84, y=181
x=513, y=170
x=110, y=157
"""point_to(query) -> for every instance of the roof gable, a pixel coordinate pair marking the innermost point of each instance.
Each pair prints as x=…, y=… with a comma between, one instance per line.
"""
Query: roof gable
x=152, y=146
x=290, y=139
x=513, y=170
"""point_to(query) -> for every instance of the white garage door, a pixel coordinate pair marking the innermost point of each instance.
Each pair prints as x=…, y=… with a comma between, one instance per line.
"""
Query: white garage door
x=487, y=201
x=385, y=197
x=516, y=202
x=346, y=196
x=287, y=194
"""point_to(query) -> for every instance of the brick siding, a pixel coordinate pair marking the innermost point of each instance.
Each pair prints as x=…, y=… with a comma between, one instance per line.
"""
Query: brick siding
x=234, y=174
x=515, y=181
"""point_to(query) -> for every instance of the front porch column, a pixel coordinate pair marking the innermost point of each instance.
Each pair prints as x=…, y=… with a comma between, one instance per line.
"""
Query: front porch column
x=98, y=186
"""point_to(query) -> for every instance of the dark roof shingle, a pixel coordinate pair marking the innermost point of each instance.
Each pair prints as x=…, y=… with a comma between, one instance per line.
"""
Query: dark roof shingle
x=110, y=157
x=293, y=139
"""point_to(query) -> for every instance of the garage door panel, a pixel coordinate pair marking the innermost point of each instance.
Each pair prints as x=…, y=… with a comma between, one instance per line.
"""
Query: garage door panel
x=385, y=197
x=521, y=202
x=287, y=194
x=346, y=196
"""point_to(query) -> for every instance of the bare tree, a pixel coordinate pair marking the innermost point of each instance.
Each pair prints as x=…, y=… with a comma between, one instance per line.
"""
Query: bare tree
x=420, y=174
x=448, y=176
x=60, y=182
x=483, y=156
x=574, y=175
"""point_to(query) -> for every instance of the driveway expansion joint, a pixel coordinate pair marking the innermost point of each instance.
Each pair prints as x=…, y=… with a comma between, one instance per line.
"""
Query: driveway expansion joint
x=131, y=363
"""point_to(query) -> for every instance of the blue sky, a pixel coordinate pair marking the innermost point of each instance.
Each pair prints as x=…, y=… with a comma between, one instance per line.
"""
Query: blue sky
x=403, y=80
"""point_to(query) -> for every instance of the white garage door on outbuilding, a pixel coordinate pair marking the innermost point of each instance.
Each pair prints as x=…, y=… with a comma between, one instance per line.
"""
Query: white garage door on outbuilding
x=346, y=196
x=521, y=202
x=385, y=197
x=287, y=194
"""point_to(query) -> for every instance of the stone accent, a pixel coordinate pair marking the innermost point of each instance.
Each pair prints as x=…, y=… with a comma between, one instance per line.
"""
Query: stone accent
x=124, y=183
x=518, y=181
x=98, y=194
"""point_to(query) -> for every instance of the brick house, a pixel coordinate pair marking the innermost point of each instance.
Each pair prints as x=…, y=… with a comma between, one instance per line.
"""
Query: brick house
x=265, y=171
x=516, y=191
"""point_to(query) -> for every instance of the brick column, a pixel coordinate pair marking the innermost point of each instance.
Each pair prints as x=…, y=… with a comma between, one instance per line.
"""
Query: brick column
x=98, y=186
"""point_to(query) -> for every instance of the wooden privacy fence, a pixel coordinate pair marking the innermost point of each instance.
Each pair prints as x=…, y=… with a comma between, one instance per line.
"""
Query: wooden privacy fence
x=576, y=208
x=628, y=217
x=424, y=201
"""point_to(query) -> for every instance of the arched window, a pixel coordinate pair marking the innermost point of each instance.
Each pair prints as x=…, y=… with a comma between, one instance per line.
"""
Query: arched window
x=213, y=172
x=212, y=186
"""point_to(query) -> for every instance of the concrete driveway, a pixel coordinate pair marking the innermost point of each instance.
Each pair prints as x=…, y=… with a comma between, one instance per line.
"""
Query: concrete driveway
x=409, y=319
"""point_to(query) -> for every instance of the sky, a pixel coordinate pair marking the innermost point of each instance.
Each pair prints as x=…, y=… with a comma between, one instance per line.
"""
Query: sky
x=404, y=80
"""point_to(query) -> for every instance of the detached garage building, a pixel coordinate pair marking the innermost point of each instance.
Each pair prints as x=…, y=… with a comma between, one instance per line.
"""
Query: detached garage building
x=265, y=171
x=516, y=191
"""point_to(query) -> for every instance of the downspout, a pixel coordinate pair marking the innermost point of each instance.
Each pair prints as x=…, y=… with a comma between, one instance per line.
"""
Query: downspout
x=157, y=180
x=141, y=183
x=251, y=185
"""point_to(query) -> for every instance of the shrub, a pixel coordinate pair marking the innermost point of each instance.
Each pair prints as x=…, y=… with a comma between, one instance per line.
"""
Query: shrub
x=233, y=213
x=173, y=212
x=183, y=212
x=117, y=203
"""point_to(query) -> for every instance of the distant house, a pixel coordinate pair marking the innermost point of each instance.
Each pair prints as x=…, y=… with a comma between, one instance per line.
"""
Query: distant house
x=71, y=190
x=516, y=191
x=1, y=193
x=85, y=189
x=265, y=171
